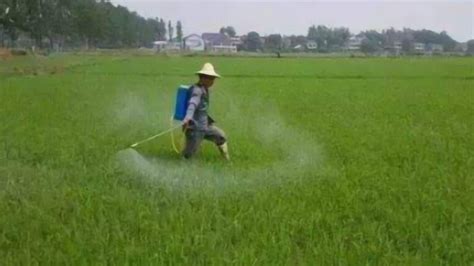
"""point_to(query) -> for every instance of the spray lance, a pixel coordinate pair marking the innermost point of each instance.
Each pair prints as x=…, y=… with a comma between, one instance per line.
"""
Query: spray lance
x=182, y=99
x=155, y=136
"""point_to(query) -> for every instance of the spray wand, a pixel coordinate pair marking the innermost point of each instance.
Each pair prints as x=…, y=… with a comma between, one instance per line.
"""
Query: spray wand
x=156, y=136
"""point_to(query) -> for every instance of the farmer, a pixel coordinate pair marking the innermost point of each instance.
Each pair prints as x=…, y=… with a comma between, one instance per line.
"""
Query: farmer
x=198, y=124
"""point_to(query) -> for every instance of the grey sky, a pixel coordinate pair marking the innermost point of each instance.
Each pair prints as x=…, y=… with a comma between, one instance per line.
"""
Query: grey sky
x=285, y=17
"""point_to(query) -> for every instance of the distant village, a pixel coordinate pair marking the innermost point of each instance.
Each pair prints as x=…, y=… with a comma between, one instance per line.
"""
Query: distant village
x=217, y=42
x=212, y=42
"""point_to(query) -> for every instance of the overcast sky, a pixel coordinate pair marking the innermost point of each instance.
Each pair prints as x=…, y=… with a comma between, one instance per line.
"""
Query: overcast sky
x=294, y=17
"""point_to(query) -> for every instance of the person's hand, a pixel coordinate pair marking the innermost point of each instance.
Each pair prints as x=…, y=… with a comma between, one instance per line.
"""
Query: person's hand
x=186, y=121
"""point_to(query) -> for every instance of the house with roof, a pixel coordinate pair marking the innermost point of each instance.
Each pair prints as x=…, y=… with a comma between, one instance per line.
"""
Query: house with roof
x=236, y=41
x=393, y=48
x=218, y=42
x=167, y=46
x=193, y=42
x=419, y=47
x=434, y=48
x=160, y=45
x=298, y=48
x=311, y=45
x=461, y=47
x=286, y=42
x=354, y=43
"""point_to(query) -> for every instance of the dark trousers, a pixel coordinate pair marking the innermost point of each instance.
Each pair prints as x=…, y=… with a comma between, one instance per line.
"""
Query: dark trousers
x=194, y=137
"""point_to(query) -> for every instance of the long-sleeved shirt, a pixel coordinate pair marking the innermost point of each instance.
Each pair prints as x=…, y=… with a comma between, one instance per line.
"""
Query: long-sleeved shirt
x=198, y=106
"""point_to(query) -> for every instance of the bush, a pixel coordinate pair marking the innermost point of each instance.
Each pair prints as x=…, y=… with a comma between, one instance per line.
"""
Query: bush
x=19, y=52
x=5, y=53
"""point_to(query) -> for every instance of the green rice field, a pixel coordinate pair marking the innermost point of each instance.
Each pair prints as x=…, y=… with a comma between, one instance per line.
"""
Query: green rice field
x=335, y=161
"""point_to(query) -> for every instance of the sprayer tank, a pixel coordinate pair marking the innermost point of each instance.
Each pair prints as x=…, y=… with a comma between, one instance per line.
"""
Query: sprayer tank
x=182, y=98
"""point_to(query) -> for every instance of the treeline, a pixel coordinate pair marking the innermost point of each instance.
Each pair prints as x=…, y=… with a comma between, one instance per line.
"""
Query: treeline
x=329, y=39
x=324, y=39
x=373, y=41
x=75, y=23
x=99, y=23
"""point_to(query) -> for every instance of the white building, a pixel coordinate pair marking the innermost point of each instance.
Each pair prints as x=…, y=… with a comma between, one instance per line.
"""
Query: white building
x=160, y=45
x=419, y=47
x=354, y=43
x=436, y=48
x=235, y=41
x=223, y=49
x=397, y=45
x=298, y=48
x=218, y=42
x=312, y=45
x=286, y=42
x=394, y=48
x=193, y=43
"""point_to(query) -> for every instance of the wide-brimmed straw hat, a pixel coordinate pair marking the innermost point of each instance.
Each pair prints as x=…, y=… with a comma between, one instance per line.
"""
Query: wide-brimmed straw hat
x=208, y=70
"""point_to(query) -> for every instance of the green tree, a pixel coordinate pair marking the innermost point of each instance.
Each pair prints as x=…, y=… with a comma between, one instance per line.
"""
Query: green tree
x=161, y=30
x=297, y=40
x=252, y=42
x=374, y=36
x=369, y=46
x=407, y=45
x=391, y=36
x=274, y=42
x=448, y=43
x=59, y=22
x=92, y=23
x=337, y=38
x=35, y=20
x=431, y=37
x=320, y=35
x=170, y=31
x=13, y=18
x=179, y=31
x=470, y=47
x=89, y=22
x=426, y=36
x=229, y=31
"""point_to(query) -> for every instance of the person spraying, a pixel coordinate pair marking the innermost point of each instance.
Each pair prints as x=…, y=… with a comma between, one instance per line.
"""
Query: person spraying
x=197, y=123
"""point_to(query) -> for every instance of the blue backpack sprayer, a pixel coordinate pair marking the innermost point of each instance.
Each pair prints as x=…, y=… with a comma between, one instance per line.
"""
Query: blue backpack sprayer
x=182, y=99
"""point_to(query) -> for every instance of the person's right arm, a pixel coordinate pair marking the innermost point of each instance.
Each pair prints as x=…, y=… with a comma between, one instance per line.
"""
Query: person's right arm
x=193, y=103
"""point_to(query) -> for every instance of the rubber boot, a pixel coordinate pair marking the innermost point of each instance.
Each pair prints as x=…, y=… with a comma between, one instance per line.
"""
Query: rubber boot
x=224, y=151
